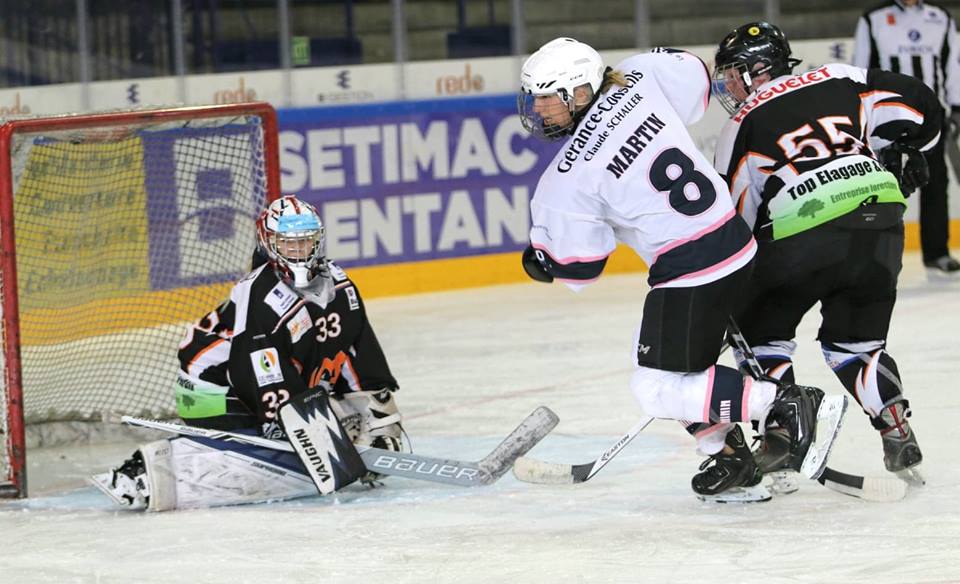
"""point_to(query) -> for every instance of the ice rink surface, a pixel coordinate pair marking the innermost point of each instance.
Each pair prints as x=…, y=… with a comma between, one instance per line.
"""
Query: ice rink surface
x=471, y=365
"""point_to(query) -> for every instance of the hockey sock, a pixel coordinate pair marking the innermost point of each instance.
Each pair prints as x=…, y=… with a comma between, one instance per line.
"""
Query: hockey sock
x=867, y=372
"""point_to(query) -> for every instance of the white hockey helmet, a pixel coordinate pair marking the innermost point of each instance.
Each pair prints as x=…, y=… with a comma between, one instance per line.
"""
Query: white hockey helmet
x=290, y=232
x=557, y=68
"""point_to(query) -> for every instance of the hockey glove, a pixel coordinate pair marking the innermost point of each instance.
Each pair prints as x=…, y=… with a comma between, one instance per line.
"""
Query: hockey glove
x=533, y=266
x=912, y=173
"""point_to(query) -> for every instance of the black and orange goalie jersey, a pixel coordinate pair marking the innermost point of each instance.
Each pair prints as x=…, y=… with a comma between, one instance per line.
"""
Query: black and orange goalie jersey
x=267, y=343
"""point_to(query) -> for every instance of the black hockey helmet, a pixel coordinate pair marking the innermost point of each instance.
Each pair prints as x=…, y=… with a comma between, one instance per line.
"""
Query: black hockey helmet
x=756, y=48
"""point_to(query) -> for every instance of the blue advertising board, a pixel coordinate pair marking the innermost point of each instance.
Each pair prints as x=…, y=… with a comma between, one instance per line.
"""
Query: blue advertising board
x=414, y=181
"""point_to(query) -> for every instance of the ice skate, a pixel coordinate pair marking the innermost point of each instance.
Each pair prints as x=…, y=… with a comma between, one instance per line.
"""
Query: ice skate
x=733, y=478
x=812, y=422
x=127, y=485
x=772, y=457
x=943, y=268
x=901, y=453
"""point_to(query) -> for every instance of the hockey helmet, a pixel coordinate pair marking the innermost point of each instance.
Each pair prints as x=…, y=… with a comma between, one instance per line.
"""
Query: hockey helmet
x=558, y=68
x=291, y=234
x=754, y=49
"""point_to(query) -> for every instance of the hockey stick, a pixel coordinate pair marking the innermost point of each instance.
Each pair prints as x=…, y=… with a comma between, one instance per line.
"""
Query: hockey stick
x=531, y=470
x=404, y=464
x=878, y=489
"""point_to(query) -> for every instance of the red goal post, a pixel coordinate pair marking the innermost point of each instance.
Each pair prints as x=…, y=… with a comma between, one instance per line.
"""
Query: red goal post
x=117, y=230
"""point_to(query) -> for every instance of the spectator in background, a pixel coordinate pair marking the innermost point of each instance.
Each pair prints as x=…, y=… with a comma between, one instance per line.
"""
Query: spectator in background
x=919, y=39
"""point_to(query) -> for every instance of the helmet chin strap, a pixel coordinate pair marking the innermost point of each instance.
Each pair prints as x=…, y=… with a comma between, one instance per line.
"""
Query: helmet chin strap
x=319, y=288
x=301, y=276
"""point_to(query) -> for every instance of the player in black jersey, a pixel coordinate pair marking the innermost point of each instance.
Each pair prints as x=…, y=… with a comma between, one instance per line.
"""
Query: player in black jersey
x=294, y=323
x=802, y=156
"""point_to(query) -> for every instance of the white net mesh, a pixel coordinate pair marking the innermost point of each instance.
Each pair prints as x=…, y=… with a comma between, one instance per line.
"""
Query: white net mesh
x=123, y=236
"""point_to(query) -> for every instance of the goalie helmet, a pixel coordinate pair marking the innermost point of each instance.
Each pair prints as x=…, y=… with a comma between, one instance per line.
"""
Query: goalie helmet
x=752, y=50
x=289, y=231
x=558, y=68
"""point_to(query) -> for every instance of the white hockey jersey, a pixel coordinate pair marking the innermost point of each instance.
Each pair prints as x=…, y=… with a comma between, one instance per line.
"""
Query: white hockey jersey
x=631, y=173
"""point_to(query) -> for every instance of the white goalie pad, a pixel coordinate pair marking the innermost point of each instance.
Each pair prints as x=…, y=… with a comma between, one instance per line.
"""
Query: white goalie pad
x=189, y=473
x=216, y=474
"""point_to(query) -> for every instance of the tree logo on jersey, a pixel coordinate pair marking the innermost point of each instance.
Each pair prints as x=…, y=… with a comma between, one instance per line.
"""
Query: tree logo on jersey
x=811, y=208
x=266, y=366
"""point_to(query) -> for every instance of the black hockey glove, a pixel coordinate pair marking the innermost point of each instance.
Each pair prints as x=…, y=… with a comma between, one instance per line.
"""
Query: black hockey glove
x=534, y=267
x=912, y=173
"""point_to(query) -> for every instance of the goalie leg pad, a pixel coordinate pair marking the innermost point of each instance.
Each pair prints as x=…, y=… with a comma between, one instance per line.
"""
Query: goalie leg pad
x=214, y=473
x=190, y=473
x=158, y=463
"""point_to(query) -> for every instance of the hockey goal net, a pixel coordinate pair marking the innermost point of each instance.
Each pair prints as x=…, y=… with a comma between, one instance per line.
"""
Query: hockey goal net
x=118, y=229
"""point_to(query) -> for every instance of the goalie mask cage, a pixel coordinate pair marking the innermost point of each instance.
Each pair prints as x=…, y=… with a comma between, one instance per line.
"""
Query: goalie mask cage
x=118, y=229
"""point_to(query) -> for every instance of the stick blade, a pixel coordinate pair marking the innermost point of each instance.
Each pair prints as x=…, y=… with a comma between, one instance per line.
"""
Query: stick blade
x=531, y=470
x=524, y=437
x=877, y=489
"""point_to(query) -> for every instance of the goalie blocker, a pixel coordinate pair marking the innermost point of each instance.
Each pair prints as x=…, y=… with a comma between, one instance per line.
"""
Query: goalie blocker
x=321, y=442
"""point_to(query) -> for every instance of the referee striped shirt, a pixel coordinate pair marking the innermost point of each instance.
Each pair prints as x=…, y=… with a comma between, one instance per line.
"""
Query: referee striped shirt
x=919, y=40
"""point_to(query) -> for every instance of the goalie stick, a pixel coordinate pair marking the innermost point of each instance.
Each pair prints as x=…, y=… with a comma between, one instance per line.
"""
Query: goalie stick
x=486, y=471
x=877, y=489
x=531, y=470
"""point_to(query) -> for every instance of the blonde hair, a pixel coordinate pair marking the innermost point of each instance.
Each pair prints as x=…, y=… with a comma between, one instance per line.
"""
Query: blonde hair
x=611, y=78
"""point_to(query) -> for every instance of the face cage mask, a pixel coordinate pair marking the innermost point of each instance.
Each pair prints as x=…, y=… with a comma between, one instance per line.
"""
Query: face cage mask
x=739, y=72
x=300, y=272
x=534, y=123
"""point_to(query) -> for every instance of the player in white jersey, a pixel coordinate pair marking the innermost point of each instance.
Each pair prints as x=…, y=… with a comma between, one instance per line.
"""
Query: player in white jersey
x=801, y=154
x=629, y=172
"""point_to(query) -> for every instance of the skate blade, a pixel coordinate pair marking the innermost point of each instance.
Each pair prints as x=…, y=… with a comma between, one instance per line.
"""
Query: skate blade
x=783, y=482
x=754, y=494
x=911, y=476
x=829, y=420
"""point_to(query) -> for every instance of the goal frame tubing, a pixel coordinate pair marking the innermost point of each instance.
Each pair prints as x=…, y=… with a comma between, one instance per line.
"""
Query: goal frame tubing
x=15, y=442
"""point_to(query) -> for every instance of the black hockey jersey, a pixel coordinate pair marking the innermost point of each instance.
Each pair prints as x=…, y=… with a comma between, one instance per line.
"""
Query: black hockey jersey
x=801, y=150
x=266, y=344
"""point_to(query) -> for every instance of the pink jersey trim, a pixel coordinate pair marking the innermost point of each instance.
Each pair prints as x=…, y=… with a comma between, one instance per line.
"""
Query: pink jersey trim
x=706, y=94
x=706, y=403
x=751, y=246
x=677, y=243
x=710, y=430
x=745, y=405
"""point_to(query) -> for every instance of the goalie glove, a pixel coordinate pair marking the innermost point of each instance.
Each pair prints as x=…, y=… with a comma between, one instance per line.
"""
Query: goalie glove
x=912, y=173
